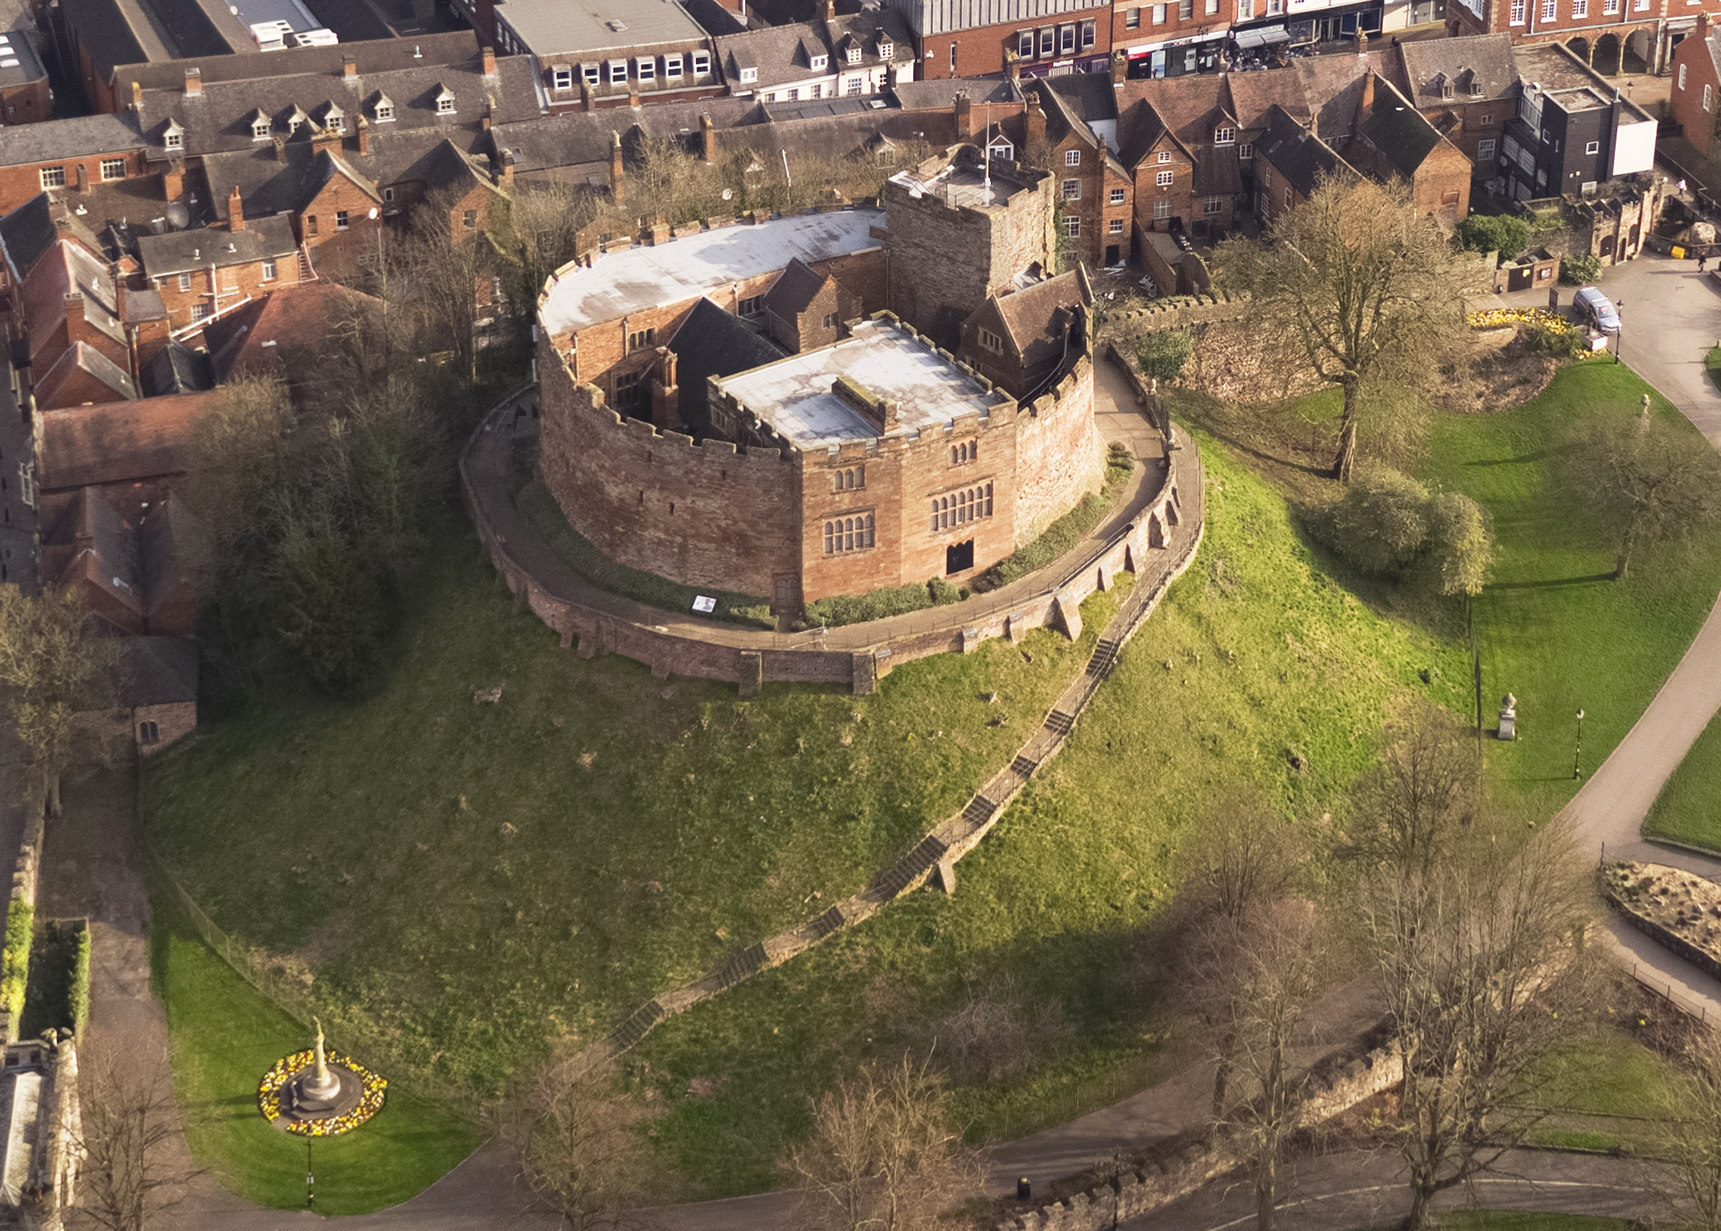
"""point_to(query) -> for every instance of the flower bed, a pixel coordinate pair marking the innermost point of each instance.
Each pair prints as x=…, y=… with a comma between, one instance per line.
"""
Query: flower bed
x=287, y=1067
x=1494, y=318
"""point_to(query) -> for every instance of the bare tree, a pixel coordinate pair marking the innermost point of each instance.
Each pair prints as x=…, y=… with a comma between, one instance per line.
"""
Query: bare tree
x=1641, y=482
x=54, y=665
x=1362, y=286
x=240, y=458
x=579, y=1143
x=1252, y=977
x=539, y=237
x=1691, y=1131
x=883, y=1155
x=1478, y=946
x=134, y=1165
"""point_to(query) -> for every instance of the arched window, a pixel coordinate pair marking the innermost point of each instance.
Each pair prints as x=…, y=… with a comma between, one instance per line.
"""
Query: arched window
x=955, y=456
x=988, y=500
x=869, y=530
x=828, y=545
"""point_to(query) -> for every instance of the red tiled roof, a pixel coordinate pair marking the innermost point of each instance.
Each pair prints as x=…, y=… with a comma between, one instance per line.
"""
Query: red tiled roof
x=118, y=442
x=248, y=342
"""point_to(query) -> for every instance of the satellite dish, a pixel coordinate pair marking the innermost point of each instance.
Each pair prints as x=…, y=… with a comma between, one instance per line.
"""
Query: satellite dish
x=178, y=217
x=372, y=214
x=728, y=193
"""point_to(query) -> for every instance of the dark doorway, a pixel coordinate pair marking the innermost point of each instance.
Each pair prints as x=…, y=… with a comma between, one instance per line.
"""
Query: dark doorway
x=786, y=596
x=1112, y=255
x=958, y=558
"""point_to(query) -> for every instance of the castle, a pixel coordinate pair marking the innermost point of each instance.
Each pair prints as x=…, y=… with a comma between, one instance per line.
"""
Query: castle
x=830, y=403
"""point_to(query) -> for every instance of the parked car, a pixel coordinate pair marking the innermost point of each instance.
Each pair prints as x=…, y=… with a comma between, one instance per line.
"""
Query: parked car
x=1594, y=308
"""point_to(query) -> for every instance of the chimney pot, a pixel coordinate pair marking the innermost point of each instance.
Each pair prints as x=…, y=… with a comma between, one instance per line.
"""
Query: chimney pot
x=193, y=82
x=707, y=139
x=349, y=68
x=489, y=54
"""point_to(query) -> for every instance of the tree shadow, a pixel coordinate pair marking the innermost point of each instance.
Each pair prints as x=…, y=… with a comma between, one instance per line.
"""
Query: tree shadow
x=1548, y=585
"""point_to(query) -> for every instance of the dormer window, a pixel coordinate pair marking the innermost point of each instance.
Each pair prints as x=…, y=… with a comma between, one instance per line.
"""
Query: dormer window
x=672, y=67
x=1446, y=90
x=749, y=74
x=817, y=62
x=1475, y=89
x=384, y=109
x=174, y=137
x=444, y=101
x=295, y=120
x=1224, y=135
x=562, y=77
x=854, y=54
x=335, y=120
x=702, y=64
x=886, y=49
x=591, y=73
x=646, y=67
x=261, y=128
x=618, y=72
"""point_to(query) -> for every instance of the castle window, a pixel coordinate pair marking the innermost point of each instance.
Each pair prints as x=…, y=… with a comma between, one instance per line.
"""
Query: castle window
x=960, y=508
x=967, y=451
x=845, y=534
x=751, y=306
x=148, y=734
x=848, y=480
x=627, y=390
x=991, y=341
x=641, y=338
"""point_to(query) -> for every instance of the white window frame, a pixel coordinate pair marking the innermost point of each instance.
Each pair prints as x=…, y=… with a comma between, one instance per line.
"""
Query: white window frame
x=384, y=112
x=702, y=64
x=886, y=49
x=343, y=220
x=854, y=85
x=1164, y=179
x=173, y=140
x=200, y=312
x=53, y=177
x=1550, y=10
x=562, y=77
x=1164, y=156
x=1072, y=158
x=1116, y=196
x=1213, y=205
x=592, y=72
x=817, y=63
x=854, y=55
x=1072, y=226
x=262, y=130
x=270, y=273
x=645, y=67
x=1071, y=190
x=1580, y=9
x=1485, y=149
x=1224, y=135
x=615, y=72
x=1516, y=16
x=1245, y=151
x=1161, y=210
x=445, y=105
x=672, y=67
x=1680, y=84
x=749, y=76
x=1594, y=147
x=1708, y=97
x=185, y=281
x=112, y=169
x=1114, y=226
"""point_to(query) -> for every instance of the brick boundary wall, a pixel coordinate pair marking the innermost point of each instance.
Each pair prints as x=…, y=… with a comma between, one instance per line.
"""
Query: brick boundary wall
x=752, y=659
x=937, y=853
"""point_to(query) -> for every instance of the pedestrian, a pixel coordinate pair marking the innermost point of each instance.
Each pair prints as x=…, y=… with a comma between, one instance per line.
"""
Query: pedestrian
x=1702, y=260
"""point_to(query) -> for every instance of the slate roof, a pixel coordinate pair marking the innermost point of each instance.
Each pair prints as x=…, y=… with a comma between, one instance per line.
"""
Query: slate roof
x=1191, y=107
x=270, y=187
x=183, y=251
x=159, y=671
x=795, y=289
x=1090, y=96
x=175, y=554
x=177, y=368
x=122, y=443
x=108, y=557
x=1037, y=317
x=941, y=95
x=1251, y=95
x=783, y=54
x=1300, y=158
x=70, y=269
x=711, y=342
x=221, y=119
x=113, y=34
x=51, y=140
x=1398, y=131
x=1482, y=59
x=713, y=18
x=26, y=234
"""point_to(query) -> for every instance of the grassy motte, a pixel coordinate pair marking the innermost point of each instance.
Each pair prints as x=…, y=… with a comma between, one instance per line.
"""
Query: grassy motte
x=224, y=1037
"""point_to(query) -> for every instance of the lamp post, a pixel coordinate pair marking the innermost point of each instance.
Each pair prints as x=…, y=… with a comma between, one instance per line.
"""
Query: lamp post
x=1618, y=334
x=1578, y=751
x=310, y=1179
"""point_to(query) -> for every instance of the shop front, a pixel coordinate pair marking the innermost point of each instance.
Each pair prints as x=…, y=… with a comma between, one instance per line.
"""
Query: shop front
x=1179, y=57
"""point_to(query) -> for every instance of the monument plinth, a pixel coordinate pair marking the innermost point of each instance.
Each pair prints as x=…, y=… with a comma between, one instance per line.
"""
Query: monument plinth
x=316, y=1093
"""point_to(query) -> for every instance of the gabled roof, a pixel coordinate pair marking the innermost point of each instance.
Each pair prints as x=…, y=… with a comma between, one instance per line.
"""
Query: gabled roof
x=370, y=56
x=26, y=234
x=70, y=138
x=1251, y=95
x=80, y=357
x=250, y=341
x=940, y=95
x=98, y=548
x=146, y=439
x=711, y=342
x=177, y=368
x=1301, y=158
x=1089, y=96
x=67, y=269
x=1398, y=132
x=175, y=553
x=159, y=671
x=795, y=289
x=1062, y=122
x=113, y=34
x=267, y=186
x=1037, y=318
x=183, y=251
x=1483, y=60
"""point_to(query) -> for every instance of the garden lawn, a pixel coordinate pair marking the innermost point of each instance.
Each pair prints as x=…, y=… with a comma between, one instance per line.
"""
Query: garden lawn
x=1605, y=1092
x=1254, y=655
x=1555, y=629
x=224, y=1037
x=1712, y=365
x=1689, y=807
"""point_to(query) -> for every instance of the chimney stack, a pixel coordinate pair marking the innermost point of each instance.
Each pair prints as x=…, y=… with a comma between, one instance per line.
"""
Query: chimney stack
x=1036, y=119
x=487, y=119
x=1119, y=66
x=1700, y=31
x=75, y=328
x=349, y=69
x=173, y=180
x=136, y=97
x=83, y=180
x=193, y=82
x=364, y=135
x=235, y=211
x=489, y=54
x=587, y=101
x=1012, y=65
x=1365, y=103
x=964, y=117
x=616, y=186
x=707, y=140
x=508, y=161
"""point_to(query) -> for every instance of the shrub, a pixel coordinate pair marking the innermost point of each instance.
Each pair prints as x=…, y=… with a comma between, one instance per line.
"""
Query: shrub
x=1162, y=355
x=1388, y=523
x=1501, y=233
x=15, y=958
x=1380, y=521
x=943, y=592
x=1562, y=342
x=80, y=993
x=840, y=609
x=1459, y=549
x=1579, y=268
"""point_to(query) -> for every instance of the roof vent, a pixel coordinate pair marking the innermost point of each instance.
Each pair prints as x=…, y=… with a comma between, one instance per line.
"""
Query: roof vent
x=616, y=24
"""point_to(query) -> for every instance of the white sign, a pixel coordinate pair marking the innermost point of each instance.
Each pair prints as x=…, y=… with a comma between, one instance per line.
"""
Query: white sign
x=704, y=605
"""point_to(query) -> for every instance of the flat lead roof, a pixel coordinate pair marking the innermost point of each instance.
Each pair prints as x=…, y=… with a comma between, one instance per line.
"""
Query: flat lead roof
x=644, y=277
x=567, y=27
x=794, y=395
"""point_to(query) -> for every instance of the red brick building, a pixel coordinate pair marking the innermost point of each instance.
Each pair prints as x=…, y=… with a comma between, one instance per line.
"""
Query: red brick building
x=1695, y=99
x=959, y=39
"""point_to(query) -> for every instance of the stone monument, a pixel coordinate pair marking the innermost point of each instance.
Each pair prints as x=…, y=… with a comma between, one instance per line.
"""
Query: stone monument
x=318, y=1088
x=1508, y=717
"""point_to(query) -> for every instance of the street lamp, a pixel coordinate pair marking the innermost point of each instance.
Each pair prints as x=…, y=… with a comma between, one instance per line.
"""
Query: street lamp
x=310, y=1176
x=1578, y=751
x=1619, y=333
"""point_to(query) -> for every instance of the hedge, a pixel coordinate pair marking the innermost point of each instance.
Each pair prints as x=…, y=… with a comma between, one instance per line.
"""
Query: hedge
x=15, y=958
x=840, y=609
x=59, y=984
x=541, y=511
